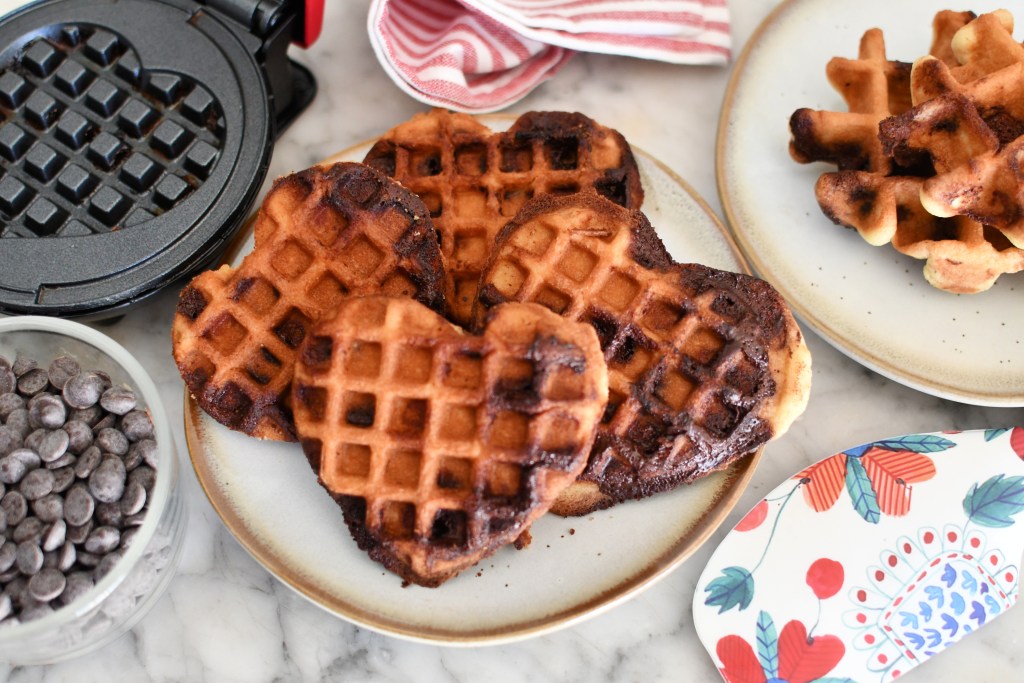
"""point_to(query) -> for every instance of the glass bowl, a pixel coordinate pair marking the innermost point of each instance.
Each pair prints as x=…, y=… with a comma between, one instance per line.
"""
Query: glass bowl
x=118, y=600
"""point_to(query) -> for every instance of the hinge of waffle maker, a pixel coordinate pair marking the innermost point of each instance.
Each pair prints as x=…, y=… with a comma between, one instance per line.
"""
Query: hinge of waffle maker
x=276, y=24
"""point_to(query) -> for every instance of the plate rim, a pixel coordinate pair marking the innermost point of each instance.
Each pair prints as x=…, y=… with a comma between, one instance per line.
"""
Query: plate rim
x=919, y=381
x=738, y=476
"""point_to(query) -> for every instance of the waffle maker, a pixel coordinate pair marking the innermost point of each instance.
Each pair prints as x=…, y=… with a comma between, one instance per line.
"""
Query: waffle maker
x=134, y=138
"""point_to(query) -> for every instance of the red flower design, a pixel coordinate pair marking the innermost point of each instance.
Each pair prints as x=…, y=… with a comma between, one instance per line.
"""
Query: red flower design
x=801, y=659
x=739, y=663
x=890, y=472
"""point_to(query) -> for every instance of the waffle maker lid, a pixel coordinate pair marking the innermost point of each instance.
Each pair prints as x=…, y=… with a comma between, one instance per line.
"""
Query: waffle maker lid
x=134, y=137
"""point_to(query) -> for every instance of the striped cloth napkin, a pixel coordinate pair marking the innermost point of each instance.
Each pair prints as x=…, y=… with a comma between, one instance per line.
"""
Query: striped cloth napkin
x=483, y=55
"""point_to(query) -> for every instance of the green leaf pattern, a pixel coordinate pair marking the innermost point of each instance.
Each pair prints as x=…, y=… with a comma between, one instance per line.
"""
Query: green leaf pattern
x=994, y=502
x=735, y=587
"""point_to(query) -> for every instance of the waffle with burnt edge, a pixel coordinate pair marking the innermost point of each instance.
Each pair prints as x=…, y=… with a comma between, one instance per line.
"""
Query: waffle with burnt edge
x=473, y=180
x=439, y=446
x=946, y=188
x=321, y=235
x=704, y=366
x=961, y=254
x=873, y=88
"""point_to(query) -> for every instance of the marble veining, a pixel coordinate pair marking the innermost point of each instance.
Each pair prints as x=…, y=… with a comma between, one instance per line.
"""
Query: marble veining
x=224, y=618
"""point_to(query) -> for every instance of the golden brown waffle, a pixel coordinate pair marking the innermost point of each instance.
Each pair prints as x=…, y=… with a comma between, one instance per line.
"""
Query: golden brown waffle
x=474, y=180
x=874, y=88
x=975, y=181
x=985, y=46
x=945, y=24
x=704, y=366
x=961, y=255
x=320, y=235
x=987, y=68
x=951, y=154
x=441, y=447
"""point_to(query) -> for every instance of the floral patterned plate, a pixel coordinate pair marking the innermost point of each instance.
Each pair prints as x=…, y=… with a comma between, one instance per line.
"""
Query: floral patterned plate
x=869, y=562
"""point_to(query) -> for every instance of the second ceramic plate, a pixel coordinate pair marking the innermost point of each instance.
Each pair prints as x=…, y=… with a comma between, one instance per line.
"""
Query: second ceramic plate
x=269, y=499
x=870, y=302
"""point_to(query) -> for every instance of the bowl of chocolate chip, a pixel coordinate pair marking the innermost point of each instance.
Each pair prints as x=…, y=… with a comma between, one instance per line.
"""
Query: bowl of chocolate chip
x=91, y=514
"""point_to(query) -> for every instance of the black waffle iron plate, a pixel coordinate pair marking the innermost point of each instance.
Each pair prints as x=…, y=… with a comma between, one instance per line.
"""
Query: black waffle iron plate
x=134, y=138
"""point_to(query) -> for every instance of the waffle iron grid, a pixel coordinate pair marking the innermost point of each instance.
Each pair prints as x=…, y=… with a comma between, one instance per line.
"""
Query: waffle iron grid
x=90, y=142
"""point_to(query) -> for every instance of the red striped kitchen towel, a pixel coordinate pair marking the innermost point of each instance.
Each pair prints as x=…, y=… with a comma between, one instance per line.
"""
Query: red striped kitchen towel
x=483, y=55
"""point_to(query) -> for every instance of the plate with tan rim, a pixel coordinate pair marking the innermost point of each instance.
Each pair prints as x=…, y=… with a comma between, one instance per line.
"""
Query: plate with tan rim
x=269, y=499
x=872, y=303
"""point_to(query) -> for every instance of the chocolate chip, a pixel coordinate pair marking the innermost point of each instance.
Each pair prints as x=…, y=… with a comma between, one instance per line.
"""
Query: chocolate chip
x=49, y=508
x=112, y=441
x=118, y=400
x=47, y=411
x=53, y=445
x=61, y=370
x=79, y=505
x=47, y=585
x=107, y=481
x=15, y=507
x=83, y=390
x=136, y=426
x=37, y=484
x=8, y=402
x=102, y=540
x=88, y=461
x=32, y=382
x=79, y=435
x=29, y=558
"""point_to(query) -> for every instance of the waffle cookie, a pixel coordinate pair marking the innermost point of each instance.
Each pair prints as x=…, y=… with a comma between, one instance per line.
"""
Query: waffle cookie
x=873, y=88
x=441, y=447
x=946, y=187
x=704, y=366
x=473, y=180
x=320, y=235
x=988, y=69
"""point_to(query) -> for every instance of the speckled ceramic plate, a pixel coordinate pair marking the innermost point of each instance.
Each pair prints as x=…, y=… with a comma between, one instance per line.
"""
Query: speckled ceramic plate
x=268, y=498
x=869, y=562
x=870, y=302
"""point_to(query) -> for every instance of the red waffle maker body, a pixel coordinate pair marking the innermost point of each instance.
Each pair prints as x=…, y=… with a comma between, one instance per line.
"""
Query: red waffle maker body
x=134, y=138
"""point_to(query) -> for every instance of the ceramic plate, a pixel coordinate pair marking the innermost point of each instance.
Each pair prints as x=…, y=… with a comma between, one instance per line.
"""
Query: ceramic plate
x=869, y=562
x=870, y=302
x=268, y=498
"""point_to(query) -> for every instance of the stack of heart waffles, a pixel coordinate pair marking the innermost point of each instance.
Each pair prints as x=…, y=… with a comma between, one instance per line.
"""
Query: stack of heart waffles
x=571, y=366
x=474, y=180
x=929, y=154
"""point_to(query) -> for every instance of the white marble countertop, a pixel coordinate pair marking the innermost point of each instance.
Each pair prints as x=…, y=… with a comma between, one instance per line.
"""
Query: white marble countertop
x=225, y=618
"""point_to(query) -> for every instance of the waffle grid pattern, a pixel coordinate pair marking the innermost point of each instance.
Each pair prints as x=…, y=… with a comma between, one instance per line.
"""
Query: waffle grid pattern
x=92, y=142
x=940, y=172
x=673, y=364
x=255, y=317
x=408, y=423
x=473, y=183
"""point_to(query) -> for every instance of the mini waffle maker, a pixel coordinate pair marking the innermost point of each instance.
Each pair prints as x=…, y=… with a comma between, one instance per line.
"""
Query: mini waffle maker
x=134, y=138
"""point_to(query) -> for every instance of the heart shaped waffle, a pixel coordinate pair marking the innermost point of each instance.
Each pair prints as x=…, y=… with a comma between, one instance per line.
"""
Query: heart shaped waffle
x=441, y=447
x=321, y=234
x=473, y=180
x=704, y=365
